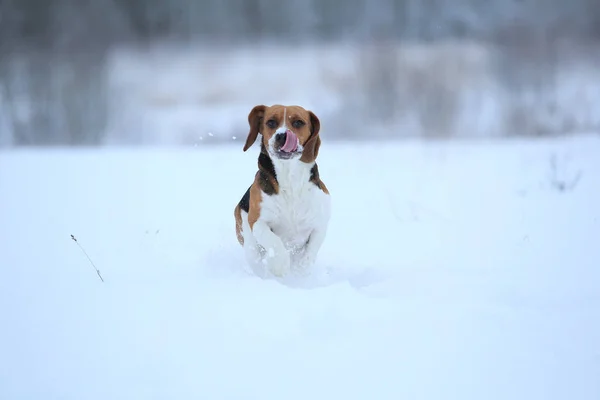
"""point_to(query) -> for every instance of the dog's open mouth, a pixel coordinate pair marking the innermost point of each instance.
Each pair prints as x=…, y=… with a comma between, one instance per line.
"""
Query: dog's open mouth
x=286, y=155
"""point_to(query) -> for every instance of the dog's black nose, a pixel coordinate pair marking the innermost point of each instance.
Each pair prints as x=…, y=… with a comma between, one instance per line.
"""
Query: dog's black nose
x=280, y=138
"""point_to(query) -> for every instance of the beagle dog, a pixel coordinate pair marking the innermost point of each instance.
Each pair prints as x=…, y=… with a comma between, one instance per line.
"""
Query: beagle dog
x=282, y=220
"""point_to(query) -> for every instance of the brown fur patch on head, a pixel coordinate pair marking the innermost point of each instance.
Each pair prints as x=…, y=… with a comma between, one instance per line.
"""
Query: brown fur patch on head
x=294, y=118
x=304, y=123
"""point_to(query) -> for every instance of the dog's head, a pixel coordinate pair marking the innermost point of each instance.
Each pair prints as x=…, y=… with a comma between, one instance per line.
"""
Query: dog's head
x=288, y=132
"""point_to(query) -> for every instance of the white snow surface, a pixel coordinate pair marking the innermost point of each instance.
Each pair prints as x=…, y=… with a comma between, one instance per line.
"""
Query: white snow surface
x=451, y=270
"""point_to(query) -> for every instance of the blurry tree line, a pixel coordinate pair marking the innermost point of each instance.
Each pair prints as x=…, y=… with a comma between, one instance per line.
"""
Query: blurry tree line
x=52, y=52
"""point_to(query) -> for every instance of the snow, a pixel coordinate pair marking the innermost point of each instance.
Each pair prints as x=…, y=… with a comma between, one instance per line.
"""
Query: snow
x=451, y=270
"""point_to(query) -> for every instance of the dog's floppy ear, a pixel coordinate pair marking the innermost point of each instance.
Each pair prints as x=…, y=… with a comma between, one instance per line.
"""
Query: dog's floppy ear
x=311, y=147
x=254, y=120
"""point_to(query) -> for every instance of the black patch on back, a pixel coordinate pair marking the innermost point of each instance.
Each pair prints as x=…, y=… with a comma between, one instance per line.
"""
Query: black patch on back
x=245, y=201
x=266, y=164
x=314, y=173
x=265, y=183
x=314, y=176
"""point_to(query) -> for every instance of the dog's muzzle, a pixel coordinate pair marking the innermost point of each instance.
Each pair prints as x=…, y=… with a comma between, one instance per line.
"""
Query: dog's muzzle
x=287, y=141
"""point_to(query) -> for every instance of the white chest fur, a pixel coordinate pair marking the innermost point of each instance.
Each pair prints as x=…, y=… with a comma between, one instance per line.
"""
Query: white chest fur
x=298, y=208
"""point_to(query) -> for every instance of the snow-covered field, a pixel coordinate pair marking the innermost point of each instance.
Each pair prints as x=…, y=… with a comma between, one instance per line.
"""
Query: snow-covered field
x=451, y=270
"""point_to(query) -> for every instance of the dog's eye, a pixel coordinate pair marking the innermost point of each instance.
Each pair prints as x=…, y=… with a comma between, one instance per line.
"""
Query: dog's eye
x=272, y=124
x=298, y=123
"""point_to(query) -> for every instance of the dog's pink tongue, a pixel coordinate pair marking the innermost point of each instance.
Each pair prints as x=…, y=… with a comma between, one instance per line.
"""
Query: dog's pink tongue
x=291, y=142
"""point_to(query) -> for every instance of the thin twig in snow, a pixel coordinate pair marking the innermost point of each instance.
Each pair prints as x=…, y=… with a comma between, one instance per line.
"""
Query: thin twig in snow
x=559, y=184
x=88, y=257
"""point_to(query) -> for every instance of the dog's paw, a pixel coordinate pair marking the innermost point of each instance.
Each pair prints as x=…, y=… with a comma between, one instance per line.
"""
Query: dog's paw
x=277, y=262
x=305, y=263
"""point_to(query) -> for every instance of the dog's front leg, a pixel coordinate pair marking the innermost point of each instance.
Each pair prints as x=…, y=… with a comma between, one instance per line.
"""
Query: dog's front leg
x=315, y=241
x=277, y=258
